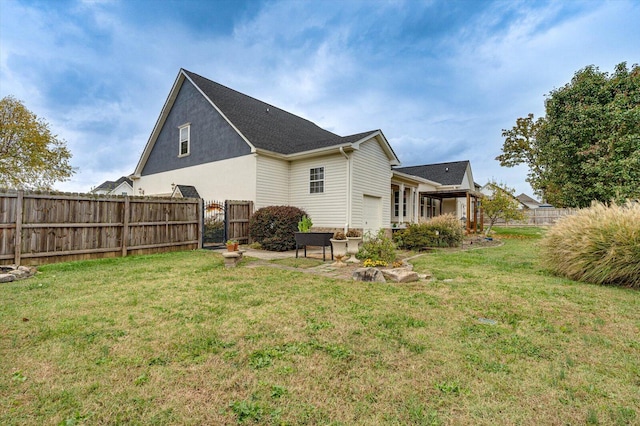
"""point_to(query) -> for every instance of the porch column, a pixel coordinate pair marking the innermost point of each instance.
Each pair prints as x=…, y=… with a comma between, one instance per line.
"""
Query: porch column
x=468, y=212
x=475, y=214
x=401, y=196
x=416, y=204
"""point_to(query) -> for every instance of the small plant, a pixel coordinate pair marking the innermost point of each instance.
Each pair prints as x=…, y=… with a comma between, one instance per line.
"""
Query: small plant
x=353, y=233
x=377, y=247
x=305, y=224
x=339, y=236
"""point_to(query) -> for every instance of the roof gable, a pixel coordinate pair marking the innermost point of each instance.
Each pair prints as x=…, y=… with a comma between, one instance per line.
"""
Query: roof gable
x=185, y=191
x=110, y=185
x=451, y=173
x=263, y=125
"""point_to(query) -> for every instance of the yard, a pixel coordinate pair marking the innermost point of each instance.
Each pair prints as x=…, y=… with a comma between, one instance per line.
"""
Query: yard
x=178, y=339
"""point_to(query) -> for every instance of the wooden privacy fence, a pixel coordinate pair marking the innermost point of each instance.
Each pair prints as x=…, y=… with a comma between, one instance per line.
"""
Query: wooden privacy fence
x=539, y=217
x=46, y=228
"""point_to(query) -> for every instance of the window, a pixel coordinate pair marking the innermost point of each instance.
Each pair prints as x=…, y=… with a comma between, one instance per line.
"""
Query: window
x=316, y=180
x=396, y=203
x=185, y=136
x=427, y=206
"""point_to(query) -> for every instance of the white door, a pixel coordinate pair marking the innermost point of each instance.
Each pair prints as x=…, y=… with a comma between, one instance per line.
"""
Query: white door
x=371, y=214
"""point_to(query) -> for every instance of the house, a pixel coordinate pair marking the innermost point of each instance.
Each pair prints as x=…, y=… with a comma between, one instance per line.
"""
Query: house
x=122, y=186
x=228, y=145
x=530, y=203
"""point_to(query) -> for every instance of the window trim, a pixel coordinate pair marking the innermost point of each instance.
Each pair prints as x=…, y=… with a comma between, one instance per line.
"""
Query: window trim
x=316, y=181
x=187, y=140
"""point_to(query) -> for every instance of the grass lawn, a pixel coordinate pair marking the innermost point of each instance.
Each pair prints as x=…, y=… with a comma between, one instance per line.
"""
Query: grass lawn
x=179, y=339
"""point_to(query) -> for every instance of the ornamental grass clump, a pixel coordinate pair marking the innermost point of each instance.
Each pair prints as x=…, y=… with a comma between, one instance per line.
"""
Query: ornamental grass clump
x=600, y=245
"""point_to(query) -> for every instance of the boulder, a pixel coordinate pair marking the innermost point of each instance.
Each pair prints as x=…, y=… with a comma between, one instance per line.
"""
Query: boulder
x=368, y=275
x=7, y=278
x=401, y=275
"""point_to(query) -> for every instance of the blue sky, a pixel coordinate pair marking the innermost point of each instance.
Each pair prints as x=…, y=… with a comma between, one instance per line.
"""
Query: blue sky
x=440, y=78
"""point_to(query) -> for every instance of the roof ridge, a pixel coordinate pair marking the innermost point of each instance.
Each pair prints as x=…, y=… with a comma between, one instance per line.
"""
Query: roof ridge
x=255, y=99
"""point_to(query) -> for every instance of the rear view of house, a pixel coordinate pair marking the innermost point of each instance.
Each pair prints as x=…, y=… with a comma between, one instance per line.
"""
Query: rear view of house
x=221, y=144
x=227, y=145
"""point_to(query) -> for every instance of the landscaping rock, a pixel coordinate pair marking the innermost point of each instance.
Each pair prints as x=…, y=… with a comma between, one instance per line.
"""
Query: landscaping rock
x=400, y=275
x=7, y=278
x=9, y=273
x=368, y=275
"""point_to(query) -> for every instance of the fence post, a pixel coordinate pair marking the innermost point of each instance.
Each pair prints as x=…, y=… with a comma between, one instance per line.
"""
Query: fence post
x=200, y=222
x=18, y=238
x=125, y=226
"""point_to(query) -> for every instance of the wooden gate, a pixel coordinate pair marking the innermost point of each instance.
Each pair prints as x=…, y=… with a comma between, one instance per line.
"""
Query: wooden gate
x=226, y=220
x=237, y=214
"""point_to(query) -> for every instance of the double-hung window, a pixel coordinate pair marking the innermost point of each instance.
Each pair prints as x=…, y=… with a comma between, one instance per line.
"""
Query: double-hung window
x=185, y=140
x=316, y=180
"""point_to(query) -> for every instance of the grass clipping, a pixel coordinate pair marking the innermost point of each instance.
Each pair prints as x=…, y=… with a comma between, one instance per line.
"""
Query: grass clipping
x=600, y=245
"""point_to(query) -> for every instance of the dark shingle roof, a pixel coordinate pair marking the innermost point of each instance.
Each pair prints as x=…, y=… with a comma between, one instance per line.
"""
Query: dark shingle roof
x=524, y=198
x=266, y=126
x=443, y=173
x=110, y=185
x=188, y=191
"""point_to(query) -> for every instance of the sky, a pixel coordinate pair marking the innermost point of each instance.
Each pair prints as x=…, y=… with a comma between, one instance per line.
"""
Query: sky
x=440, y=78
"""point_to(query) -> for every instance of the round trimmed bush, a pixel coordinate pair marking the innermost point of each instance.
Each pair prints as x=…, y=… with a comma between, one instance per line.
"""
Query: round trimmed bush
x=274, y=227
x=600, y=245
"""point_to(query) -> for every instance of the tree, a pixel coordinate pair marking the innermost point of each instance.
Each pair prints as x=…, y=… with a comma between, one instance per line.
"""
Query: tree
x=587, y=147
x=502, y=204
x=30, y=156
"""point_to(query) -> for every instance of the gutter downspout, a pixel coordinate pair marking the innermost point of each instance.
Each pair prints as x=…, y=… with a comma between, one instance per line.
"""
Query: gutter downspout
x=346, y=225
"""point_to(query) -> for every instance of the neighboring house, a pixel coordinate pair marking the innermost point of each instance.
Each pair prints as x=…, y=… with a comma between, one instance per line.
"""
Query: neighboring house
x=122, y=186
x=227, y=145
x=527, y=201
x=531, y=203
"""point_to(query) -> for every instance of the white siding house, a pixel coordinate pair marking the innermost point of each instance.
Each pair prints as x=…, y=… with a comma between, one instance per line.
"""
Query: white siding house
x=225, y=145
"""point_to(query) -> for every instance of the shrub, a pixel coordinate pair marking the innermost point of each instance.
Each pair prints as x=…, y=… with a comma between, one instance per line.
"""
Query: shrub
x=274, y=227
x=213, y=229
x=444, y=230
x=600, y=245
x=339, y=235
x=377, y=248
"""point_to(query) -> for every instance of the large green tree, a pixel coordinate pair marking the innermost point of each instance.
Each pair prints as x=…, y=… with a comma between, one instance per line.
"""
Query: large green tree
x=31, y=157
x=587, y=146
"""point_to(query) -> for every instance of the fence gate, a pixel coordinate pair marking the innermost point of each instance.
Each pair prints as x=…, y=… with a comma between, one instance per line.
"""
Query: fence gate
x=213, y=223
x=226, y=220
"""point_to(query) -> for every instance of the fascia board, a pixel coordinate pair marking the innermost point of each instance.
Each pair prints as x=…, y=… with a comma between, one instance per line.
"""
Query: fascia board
x=164, y=113
x=334, y=149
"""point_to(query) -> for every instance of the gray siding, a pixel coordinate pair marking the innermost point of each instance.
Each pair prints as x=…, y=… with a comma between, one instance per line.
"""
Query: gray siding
x=212, y=138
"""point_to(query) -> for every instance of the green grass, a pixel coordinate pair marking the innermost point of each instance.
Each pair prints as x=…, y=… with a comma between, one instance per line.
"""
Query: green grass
x=179, y=339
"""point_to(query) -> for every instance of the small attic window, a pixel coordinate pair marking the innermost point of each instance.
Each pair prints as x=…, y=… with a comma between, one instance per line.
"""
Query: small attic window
x=185, y=139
